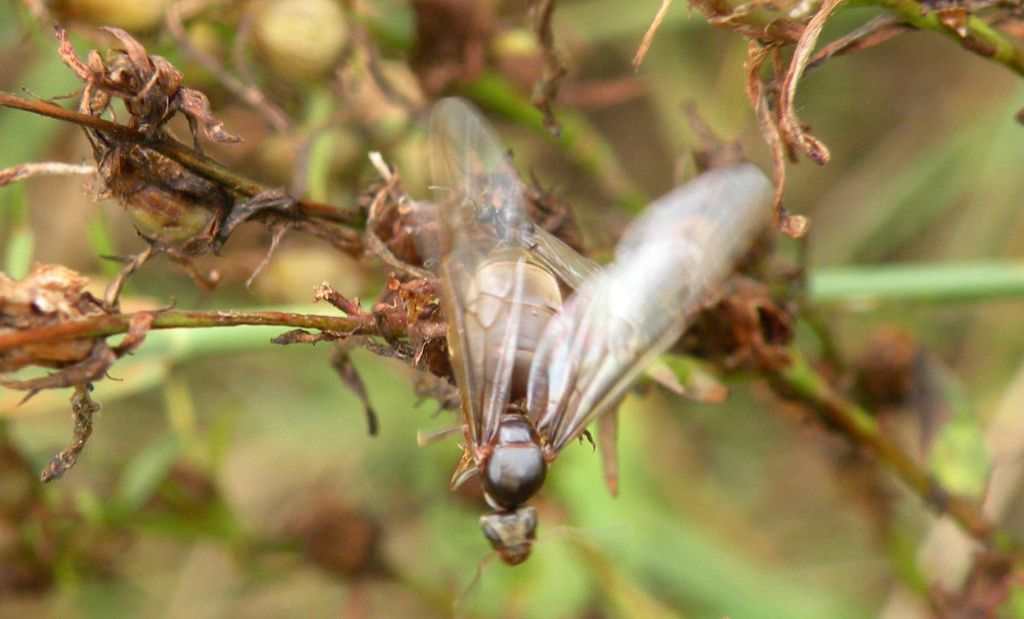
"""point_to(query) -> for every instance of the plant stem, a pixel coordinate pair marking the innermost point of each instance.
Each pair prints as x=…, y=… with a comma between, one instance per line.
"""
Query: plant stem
x=978, y=36
x=186, y=156
x=860, y=427
x=103, y=325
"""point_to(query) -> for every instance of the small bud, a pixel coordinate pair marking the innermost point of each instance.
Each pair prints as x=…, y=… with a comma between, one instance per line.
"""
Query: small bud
x=301, y=40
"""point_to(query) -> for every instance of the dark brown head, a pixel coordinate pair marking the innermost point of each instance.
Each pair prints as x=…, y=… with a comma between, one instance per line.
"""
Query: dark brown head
x=511, y=533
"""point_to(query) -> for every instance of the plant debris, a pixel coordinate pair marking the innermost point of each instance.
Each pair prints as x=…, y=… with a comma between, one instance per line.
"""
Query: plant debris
x=52, y=295
x=545, y=91
x=746, y=329
x=153, y=91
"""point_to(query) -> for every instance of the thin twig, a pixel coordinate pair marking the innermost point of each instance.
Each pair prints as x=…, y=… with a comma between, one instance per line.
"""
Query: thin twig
x=545, y=91
x=874, y=32
x=862, y=429
x=103, y=325
x=43, y=168
x=186, y=156
x=645, y=43
x=756, y=56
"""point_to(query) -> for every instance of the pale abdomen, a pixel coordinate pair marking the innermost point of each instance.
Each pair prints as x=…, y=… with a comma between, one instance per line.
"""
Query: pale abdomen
x=492, y=303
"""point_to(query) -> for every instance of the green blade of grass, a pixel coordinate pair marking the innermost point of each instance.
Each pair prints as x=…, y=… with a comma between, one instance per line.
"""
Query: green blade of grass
x=931, y=283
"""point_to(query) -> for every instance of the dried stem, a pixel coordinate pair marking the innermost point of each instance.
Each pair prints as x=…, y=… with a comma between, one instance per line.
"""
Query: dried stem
x=757, y=54
x=43, y=168
x=545, y=91
x=791, y=126
x=186, y=156
x=645, y=44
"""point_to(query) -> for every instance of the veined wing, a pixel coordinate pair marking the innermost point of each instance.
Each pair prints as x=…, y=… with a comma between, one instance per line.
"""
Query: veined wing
x=669, y=263
x=564, y=261
x=476, y=183
x=479, y=213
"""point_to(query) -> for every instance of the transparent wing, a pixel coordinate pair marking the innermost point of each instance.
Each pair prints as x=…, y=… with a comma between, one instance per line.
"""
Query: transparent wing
x=475, y=184
x=564, y=261
x=479, y=209
x=669, y=263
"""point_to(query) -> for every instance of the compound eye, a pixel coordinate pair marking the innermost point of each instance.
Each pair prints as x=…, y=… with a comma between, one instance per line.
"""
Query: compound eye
x=514, y=474
x=491, y=530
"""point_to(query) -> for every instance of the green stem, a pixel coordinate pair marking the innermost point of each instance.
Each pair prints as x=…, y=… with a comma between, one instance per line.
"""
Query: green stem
x=978, y=36
x=103, y=325
x=860, y=427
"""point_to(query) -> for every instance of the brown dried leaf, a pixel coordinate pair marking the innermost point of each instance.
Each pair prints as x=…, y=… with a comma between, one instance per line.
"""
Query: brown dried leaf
x=83, y=408
x=875, y=32
x=792, y=129
x=136, y=52
x=757, y=54
x=954, y=18
x=47, y=297
x=138, y=328
x=74, y=373
x=346, y=370
x=67, y=54
x=793, y=226
x=196, y=106
x=48, y=291
x=151, y=87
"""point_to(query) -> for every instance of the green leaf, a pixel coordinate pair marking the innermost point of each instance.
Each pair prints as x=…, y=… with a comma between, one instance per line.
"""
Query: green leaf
x=951, y=282
x=959, y=458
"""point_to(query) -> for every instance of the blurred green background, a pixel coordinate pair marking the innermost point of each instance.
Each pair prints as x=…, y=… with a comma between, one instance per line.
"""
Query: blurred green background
x=231, y=477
